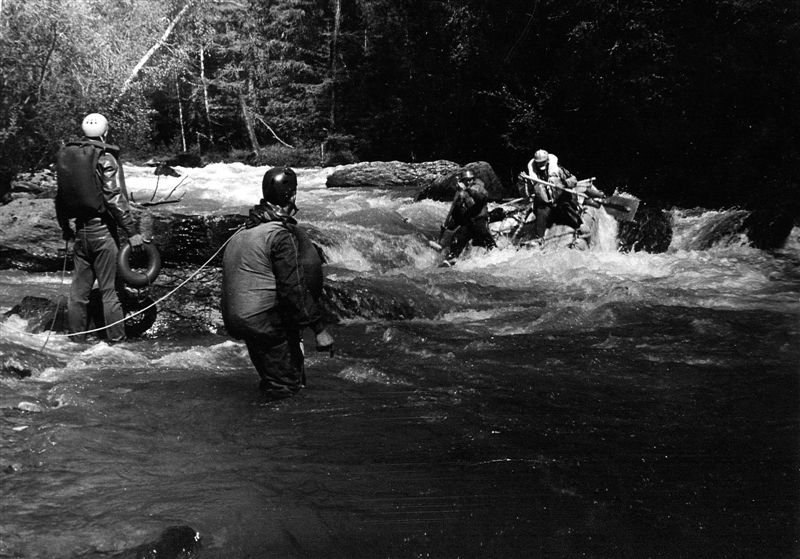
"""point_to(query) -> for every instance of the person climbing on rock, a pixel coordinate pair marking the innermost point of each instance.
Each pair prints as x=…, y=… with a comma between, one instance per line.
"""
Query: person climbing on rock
x=468, y=218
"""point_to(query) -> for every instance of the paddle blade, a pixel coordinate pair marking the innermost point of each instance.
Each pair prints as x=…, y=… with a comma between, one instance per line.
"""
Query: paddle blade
x=622, y=208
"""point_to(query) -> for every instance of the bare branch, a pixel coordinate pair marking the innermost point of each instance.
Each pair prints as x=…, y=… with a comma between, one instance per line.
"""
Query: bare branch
x=271, y=131
x=153, y=49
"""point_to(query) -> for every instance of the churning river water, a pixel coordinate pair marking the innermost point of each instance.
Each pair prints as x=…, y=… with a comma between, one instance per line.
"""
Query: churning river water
x=554, y=403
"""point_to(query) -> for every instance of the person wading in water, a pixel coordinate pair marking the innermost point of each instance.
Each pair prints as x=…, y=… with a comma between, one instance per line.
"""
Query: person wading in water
x=267, y=287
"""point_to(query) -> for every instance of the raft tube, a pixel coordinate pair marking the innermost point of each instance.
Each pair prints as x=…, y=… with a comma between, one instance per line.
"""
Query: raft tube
x=138, y=279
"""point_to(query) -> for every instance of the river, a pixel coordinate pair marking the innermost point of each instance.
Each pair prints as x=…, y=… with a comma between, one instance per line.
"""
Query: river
x=551, y=403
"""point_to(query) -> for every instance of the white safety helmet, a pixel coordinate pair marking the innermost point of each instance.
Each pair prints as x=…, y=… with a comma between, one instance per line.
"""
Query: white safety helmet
x=540, y=157
x=94, y=125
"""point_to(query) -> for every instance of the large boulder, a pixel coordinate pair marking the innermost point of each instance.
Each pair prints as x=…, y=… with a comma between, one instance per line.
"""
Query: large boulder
x=651, y=231
x=389, y=174
x=6, y=178
x=443, y=187
x=769, y=226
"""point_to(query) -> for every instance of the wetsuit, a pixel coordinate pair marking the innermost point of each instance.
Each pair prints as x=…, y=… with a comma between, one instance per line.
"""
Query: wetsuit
x=469, y=219
x=97, y=245
x=267, y=297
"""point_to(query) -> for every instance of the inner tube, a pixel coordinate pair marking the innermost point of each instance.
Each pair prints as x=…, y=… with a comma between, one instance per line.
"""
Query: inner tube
x=138, y=279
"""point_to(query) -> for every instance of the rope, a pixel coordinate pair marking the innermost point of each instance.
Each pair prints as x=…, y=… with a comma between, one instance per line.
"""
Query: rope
x=148, y=307
x=58, y=301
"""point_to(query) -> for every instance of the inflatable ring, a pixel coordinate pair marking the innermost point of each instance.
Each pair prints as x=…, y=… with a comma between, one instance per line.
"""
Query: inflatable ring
x=138, y=279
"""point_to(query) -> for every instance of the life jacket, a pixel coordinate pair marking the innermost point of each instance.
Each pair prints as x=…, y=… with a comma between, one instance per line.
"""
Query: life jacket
x=249, y=289
x=80, y=182
x=543, y=192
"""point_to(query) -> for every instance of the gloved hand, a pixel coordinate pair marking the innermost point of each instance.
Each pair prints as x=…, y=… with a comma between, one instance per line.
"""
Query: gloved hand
x=136, y=241
x=324, y=342
x=68, y=234
x=595, y=192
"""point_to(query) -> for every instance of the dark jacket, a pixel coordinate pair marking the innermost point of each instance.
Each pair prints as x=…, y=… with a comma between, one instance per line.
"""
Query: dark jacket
x=267, y=269
x=468, y=205
x=115, y=194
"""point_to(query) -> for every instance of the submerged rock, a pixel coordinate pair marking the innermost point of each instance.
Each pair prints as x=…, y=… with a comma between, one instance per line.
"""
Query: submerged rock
x=176, y=542
x=44, y=314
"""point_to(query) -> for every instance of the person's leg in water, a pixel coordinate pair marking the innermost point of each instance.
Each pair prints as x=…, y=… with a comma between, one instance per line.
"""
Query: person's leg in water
x=80, y=288
x=459, y=242
x=543, y=215
x=105, y=267
x=279, y=362
x=481, y=235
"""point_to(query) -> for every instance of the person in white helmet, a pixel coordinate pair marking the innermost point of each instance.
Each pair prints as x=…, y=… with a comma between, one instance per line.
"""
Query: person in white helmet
x=91, y=191
x=556, y=204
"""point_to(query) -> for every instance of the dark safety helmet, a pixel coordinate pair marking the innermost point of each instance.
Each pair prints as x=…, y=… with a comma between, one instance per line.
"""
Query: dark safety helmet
x=468, y=175
x=279, y=186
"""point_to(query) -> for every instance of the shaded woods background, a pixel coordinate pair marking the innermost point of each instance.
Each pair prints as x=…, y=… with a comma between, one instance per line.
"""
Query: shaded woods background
x=688, y=102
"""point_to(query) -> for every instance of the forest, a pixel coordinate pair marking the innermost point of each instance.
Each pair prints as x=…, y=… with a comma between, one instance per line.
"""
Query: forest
x=686, y=102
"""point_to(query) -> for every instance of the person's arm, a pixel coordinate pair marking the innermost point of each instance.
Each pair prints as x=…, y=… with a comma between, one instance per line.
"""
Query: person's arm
x=115, y=201
x=567, y=179
x=294, y=297
x=67, y=232
x=480, y=199
x=450, y=220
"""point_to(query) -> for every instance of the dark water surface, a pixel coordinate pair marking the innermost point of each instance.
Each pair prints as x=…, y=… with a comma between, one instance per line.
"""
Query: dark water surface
x=564, y=404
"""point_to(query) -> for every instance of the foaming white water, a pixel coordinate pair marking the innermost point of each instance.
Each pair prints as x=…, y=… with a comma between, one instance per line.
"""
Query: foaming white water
x=229, y=187
x=13, y=329
x=219, y=357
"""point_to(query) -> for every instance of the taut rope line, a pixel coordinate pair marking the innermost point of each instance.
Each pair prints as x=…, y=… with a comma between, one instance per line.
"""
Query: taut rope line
x=148, y=307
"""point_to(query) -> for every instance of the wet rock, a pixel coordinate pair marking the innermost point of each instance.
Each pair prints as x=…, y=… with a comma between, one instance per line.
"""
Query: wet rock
x=39, y=184
x=163, y=169
x=44, y=314
x=30, y=238
x=651, y=231
x=30, y=407
x=375, y=300
x=185, y=159
x=21, y=363
x=176, y=542
x=390, y=174
x=12, y=468
x=6, y=176
x=11, y=366
x=443, y=187
x=769, y=227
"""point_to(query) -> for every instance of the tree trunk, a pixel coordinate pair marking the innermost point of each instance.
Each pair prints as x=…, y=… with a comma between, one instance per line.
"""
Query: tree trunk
x=205, y=94
x=337, y=21
x=153, y=49
x=180, y=114
x=248, y=122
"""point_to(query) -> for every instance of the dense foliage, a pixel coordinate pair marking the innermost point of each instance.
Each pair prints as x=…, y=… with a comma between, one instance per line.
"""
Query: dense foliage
x=687, y=101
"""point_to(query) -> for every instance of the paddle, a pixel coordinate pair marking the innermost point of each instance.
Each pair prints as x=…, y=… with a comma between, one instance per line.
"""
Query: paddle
x=623, y=208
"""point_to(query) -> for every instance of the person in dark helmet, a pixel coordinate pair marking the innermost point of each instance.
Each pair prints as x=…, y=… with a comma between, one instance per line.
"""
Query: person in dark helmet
x=91, y=190
x=468, y=218
x=267, y=298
